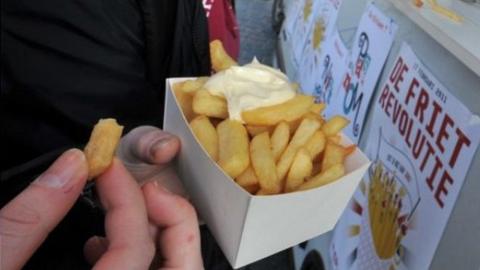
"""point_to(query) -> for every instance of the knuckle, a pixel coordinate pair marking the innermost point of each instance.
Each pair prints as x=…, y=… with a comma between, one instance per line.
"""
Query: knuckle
x=186, y=208
x=21, y=220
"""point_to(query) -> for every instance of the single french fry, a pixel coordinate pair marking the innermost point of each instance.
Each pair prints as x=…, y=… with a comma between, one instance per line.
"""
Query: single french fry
x=316, y=144
x=255, y=130
x=101, y=147
x=279, y=139
x=262, y=192
x=185, y=100
x=301, y=136
x=331, y=174
x=233, y=150
x=335, y=139
x=317, y=108
x=334, y=125
x=219, y=57
x=206, y=135
x=190, y=86
x=295, y=123
x=315, y=116
x=300, y=169
x=334, y=154
x=210, y=105
x=290, y=110
x=248, y=180
x=263, y=163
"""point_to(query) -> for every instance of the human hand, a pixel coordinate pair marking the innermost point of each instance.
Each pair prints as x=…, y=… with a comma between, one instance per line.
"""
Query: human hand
x=146, y=152
x=27, y=220
x=173, y=226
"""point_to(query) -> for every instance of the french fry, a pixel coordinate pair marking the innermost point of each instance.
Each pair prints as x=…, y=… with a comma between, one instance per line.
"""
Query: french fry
x=185, y=100
x=317, y=108
x=315, y=116
x=248, y=180
x=279, y=139
x=209, y=105
x=233, y=150
x=301, y=136
x=334, y=154
x=334, y=125
x=295, y=123
x=206, y=135
x=316, y=144
x=290, y=110
x=300, y=169
x=262, y=192
x=323, y=178
x=263, y=163
x=335, y=139
x=190, y=86
x=101, y=147
x=220, y=59
x=290, y=142
x=255, y=130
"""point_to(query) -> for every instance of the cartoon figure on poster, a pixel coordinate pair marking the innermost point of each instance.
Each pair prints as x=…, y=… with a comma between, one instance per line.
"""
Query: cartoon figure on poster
x=353, y=97
x=324, y=95
x=422, y=141
x=330, y=70
x=371, y=45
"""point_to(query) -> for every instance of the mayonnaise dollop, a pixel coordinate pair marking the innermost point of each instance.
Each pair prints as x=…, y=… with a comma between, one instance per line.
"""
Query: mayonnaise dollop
x=249, y=87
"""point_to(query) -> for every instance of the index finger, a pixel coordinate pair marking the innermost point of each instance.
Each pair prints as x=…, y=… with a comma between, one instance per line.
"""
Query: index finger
x=130, y=245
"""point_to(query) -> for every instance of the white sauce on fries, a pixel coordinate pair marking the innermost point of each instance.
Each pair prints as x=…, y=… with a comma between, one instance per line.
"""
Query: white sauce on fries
x=251, y=86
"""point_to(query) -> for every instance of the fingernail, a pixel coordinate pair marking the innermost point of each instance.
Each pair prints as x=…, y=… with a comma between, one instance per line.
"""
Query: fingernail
x=158, y=145
x=63, y=170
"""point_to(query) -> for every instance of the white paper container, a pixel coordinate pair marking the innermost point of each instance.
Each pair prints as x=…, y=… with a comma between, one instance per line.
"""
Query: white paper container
x=249, y=228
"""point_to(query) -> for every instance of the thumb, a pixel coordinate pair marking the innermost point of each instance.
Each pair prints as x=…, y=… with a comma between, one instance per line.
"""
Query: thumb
x=27, y=220
x=149, y=145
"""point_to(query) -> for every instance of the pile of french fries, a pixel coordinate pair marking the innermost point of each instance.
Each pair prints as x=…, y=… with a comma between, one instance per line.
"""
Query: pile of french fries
x=278, y=149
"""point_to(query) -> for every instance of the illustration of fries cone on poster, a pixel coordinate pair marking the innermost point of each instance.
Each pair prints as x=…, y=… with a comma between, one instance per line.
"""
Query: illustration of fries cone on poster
x=391, y=195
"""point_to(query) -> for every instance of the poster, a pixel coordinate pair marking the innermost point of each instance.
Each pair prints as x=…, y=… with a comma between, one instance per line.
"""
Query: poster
x=302, y=27
x=371, y=45
x=421, y=143
x=311, y=63
x=291, y=12
x=329, y=71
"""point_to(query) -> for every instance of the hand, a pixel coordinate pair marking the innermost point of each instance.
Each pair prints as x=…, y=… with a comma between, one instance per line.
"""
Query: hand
x=146, y=152
x=26, y=221
x=173, y=227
